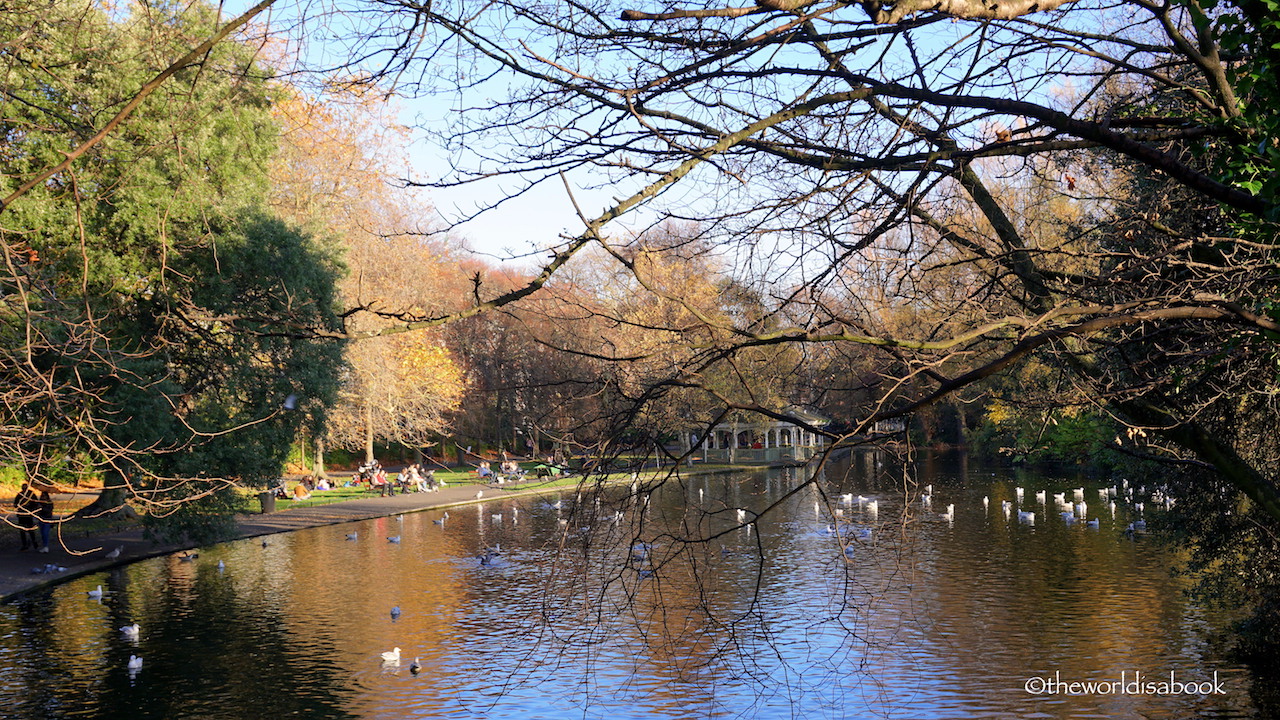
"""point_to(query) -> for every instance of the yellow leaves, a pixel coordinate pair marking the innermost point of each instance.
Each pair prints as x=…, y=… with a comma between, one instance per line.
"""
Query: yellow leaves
x=1000, y=413
x=430, y=370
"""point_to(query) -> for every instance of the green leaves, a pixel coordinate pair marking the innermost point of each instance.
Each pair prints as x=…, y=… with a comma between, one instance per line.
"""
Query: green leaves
x=168, y=314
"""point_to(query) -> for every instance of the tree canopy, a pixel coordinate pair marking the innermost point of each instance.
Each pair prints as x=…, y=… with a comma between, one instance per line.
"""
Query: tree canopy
x=157, y=315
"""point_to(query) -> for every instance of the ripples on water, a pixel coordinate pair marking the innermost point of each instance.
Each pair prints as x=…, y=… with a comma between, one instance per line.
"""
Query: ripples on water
x=902, y=614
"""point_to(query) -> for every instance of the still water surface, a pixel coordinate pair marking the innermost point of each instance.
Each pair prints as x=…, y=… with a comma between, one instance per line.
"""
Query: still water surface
x=821, y=609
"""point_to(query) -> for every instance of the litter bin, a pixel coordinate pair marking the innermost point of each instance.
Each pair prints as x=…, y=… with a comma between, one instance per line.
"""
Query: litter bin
x=268, y=500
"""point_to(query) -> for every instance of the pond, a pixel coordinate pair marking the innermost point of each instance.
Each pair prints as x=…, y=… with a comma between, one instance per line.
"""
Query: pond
x=826, y=606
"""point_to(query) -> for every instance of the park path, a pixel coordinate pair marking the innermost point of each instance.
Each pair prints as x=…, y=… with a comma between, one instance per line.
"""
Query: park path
x=81, y=556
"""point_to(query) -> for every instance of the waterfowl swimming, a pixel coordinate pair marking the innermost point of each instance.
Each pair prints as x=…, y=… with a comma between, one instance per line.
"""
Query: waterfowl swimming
x=442, y=518
x=95, y=594
x=395, y=612
x=130, y=632
x=414, y=667
x=353, y=535
x=115, y=553
x=394, y=539
x=392, y=656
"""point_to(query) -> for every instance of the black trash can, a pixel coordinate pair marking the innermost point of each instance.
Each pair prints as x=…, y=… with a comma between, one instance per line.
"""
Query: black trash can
x=268, y=500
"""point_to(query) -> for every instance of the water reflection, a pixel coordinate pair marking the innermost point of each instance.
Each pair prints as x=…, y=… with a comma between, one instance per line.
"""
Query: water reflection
x=669, y=603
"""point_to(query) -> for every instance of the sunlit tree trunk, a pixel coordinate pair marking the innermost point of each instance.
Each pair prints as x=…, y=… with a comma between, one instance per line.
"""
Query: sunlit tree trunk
x=368, y=430
x=318, y=466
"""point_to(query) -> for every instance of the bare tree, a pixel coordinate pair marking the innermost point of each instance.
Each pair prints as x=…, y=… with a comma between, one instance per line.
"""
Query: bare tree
x=915, y=151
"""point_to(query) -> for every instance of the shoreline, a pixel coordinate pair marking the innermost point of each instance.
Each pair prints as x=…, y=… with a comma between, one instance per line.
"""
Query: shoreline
x=84, y=555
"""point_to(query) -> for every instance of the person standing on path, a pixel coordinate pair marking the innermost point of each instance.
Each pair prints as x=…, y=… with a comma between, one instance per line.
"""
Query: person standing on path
x=44, y=512
x=25, y=507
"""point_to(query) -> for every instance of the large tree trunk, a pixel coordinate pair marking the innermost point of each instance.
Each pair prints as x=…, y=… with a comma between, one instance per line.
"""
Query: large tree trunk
x=368, y=430
x=318, y=467
x=112, y=500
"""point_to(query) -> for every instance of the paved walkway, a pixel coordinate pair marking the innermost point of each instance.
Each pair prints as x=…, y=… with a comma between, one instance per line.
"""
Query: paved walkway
x=16, y=567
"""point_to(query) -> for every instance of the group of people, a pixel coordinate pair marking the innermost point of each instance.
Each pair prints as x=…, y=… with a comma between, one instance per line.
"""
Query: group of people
x=33, y=511
x=415, y=479
x=508, y=471
x=411, y=479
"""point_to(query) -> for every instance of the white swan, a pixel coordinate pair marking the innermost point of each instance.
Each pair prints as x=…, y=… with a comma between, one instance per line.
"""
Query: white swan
x=950, y=514
x=392, y=656
x=95, y=594
x=986, y=502
x=130, y=632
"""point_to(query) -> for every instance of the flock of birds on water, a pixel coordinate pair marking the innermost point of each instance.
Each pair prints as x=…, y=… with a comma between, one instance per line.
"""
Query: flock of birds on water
x=1072, y=512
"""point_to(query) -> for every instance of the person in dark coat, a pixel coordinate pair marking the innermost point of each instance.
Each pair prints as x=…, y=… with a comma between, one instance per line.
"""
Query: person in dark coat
x=25, y=507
